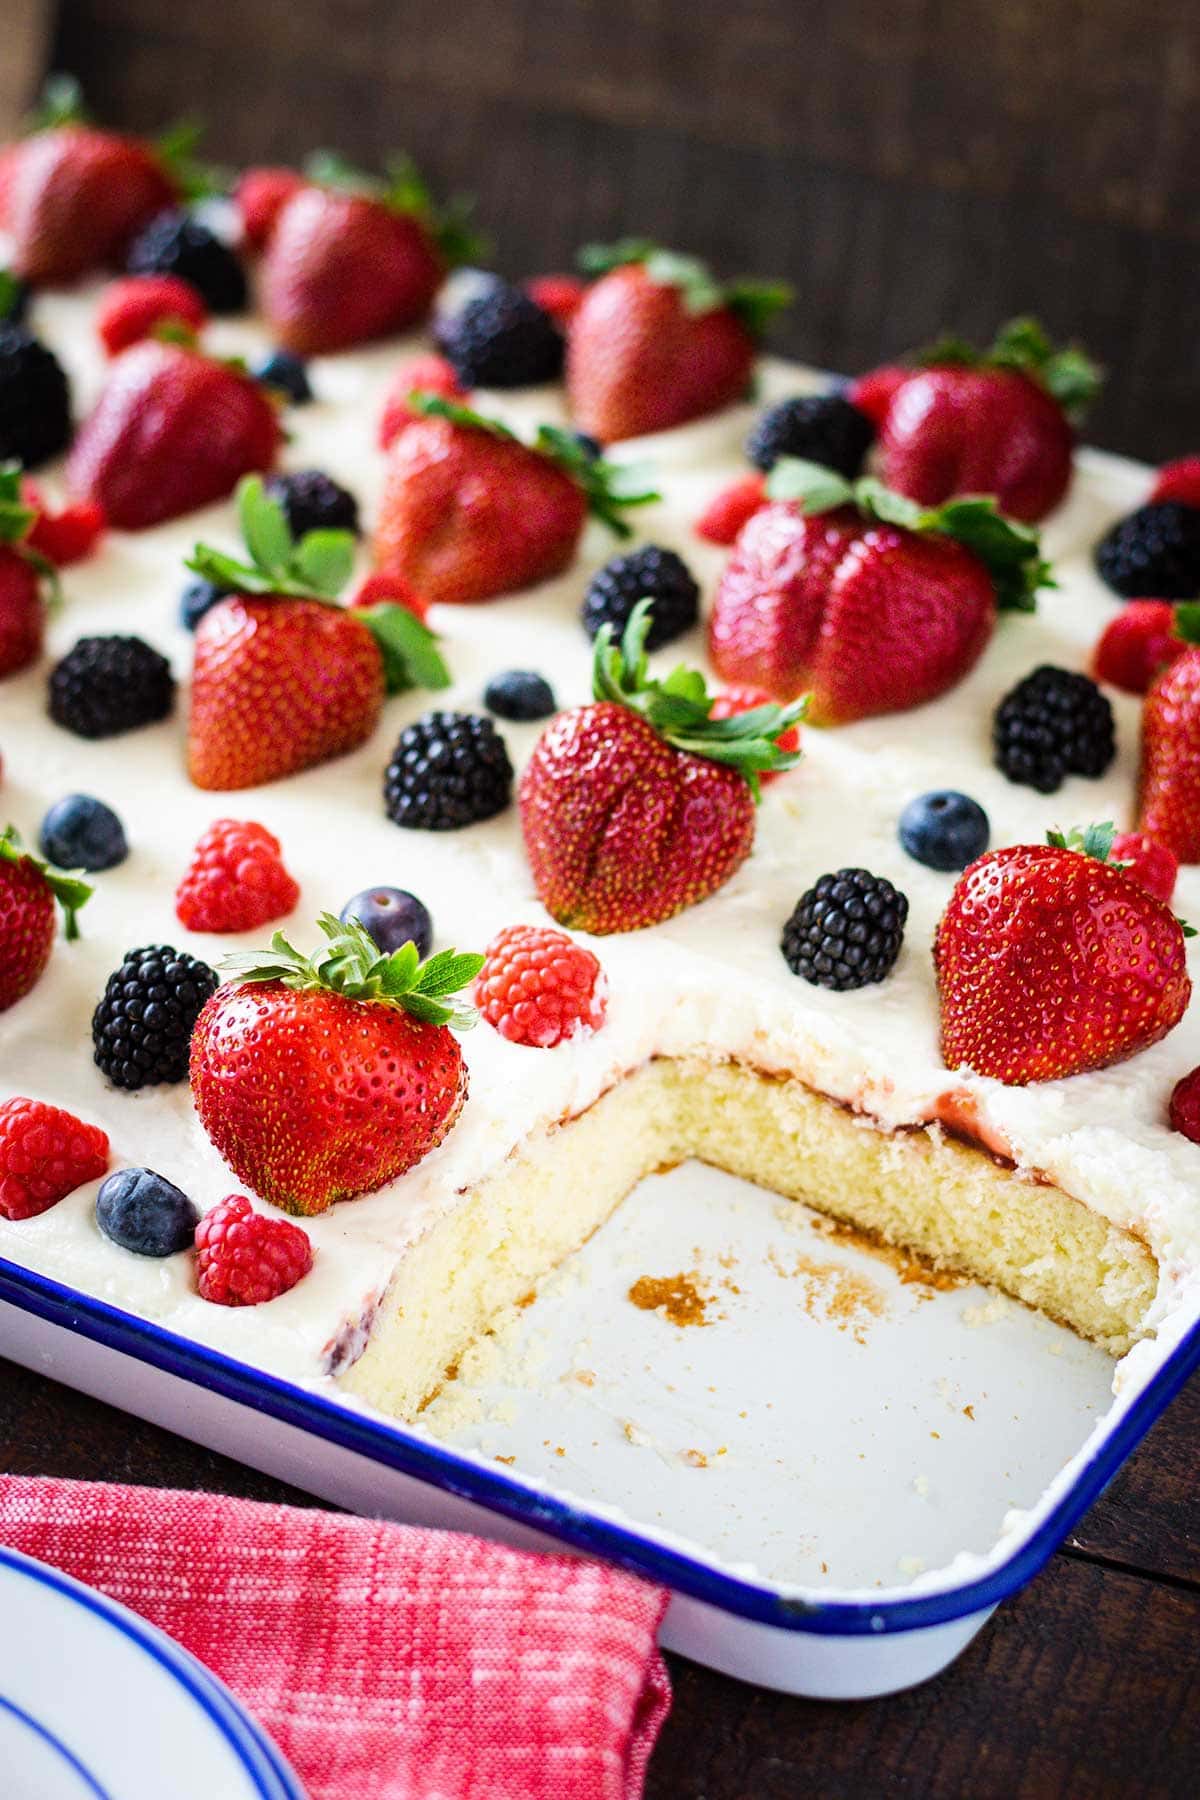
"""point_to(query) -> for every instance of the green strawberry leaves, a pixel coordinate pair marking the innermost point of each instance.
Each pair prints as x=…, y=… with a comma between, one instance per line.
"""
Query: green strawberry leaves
x=755, y=303
x=59, y=103
x=1011, y=553
x=403, y=189
x=1187, y=621
x=351, y=963
x=679, y=707
x=1097, y=841
x=436, y=406
x=15, y=516
x=10, y=288
x=1069, y=374
x=70, y=892
x=411, y=658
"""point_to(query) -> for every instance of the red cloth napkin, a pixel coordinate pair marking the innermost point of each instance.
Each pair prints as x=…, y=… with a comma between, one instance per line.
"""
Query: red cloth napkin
x=387, y=1663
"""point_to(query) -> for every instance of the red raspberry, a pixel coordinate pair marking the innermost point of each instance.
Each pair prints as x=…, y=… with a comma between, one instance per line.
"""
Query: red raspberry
x=538, y=987
x=136, y=306
x=1185, y=1106
x=260, y=196
x=45, y=1154
x=379, y=587
x=235, y=881
x=1178, y=481
x=874, y=392
x=559, y=295
x=244, y=1258
x=22, y=612
x=1152, y=865
x=733, y=700
x=724, y=517
x=432, y=375
x=62, y=537
x=1137, y=645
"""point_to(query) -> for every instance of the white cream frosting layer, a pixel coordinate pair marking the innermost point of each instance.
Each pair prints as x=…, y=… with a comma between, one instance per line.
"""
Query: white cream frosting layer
x=712, y=978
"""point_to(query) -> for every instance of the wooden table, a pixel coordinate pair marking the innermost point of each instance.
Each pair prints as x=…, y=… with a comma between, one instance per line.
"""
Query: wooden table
x=1085, y=1685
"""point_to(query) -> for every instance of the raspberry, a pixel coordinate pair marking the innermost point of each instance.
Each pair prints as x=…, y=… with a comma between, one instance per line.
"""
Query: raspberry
x=559, y=295
x=62, y=537
x=1185, y=1106
x=380, y=588
x=244, y=1258
x=260, y=196
x=1137, y=646
x=724, y=516
x=874, y=392
x=1180, y=481
x=135, y=307
x=45, y=1154
x=1152, y=865
x=426, y=375
x=538, y=987
x=733, y=700
x=235, y=881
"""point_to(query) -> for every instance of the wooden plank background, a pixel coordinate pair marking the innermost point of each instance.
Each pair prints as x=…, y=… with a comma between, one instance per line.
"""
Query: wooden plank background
x=908, y=164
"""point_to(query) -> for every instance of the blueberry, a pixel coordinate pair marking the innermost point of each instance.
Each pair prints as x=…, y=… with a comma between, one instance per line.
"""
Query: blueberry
x=519, y=694
x=197, y=598
x=393, y=917
x=289, y=374
x=80, y=832
x=145, y=1213
x=944, y=830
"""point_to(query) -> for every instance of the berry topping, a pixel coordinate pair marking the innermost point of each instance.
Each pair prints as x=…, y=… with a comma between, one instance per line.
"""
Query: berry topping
x=235, y=881
x=538, y=987
x=559, y=295
x=106, y=685
x=1155, y=550
x=725, y=515
x=1151, y=864
x=520, y=695
x=144, y=1212
x=176, y=243
x=423, y=375
x=286, y=374
x=143, y=1023
x=448, y=770
x=1169, y=776
x=243, y=1258
x=1137, y=645
x=1178, y=480
x=392, y=917
x=659, y=576
x=503, y=339
x=142, y=306
x=45, y=1154
x=63, y=537
x=381, y=587
x=874, y=392
x=1184, y=1111
x=462, y=285
x=28, y=891
x=80, y=832
x=1053, y=724
x=22, y=603
x=846, y=932
x=260, y=195
x=818, y=428
x=35, y=401
x=198, y=597
x=313, y=501
x=944, y=830
x=732, y=702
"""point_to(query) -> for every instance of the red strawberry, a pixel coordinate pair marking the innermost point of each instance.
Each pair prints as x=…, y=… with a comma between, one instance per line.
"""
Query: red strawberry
x=1179, y=480
x=73, y=198
x=995, y=424
x=559, y=295
x=624, y=829
x=22, y=609
x=171, y=431
x=657, y=342
x=862, y=600
x=319, y=1079
x=1151, y=865
x=244, y=1259
x=141, y=306
x=1137, y=645
x=537, y=987
x=468, y=511
x=260, y=195
x=28, y=891
x=1169, y=785
x=379, y=589
x=1050, y=961
x=425, y=374
x=236, y=880
x=725, y=515
x=874, y=392
x=45, y=1154
x=731, y=702
x=63, y=537
x=1184, y=1110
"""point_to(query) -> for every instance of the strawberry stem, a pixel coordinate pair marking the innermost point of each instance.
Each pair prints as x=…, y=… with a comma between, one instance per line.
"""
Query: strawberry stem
x=316, y=567
x=403, y=189
x=68, y=890
x=1095, y=841
x=1067, y=373
x=753, y=302
x=59, y=103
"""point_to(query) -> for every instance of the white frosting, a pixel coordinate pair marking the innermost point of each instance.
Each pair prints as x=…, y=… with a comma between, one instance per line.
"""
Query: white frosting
x=712, y=978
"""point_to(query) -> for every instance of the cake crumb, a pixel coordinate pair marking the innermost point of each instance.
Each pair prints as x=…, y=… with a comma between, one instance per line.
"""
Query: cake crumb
x=585, y=1377
x=824, y=1568
x=834, y=1293
x=921, y=1486
x=695, y=1459
x=676, y=1297
x=992, y=1310
x=968, y=1412
x=911, y=1565
x=636, y=1435
x=508, y=1461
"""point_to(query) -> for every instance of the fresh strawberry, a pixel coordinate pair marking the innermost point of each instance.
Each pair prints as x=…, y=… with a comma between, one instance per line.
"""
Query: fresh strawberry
x=424, y=374
x=1178, y=481
x=999, y=423
x=731, y=702
x=28, y=891
x=22, y=572
x=540, y=988
x=1151, y=865
x=1169, y=784
x=260, y=195
x=1137, y=645
x=245, y=1259
x=1051, y=961
x=559, y=295
x=657, y=341
x=623, y=826
x=45, y=1154
x=379, y=589
x=171, y=431
x=725, y=515
x=858, y=597
x=283, y=676
x=63, y=537
x=874, y=392
x=468, y=511
x=1184, y=1109
x=141, y=306
x=236, y=880
x=303, y=1128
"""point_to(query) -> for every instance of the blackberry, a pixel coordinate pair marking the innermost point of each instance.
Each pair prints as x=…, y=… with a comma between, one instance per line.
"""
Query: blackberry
x=35, y=400
x=646, y=574
x=519, y=694
x=1053, y=724
x=461, y=285
x=313, y=501
x=1155, y=550
x=286, y=373
x=846, y=932
x=110, y=684
x=143, y=1024
x=198, y=597
x=448, y=770
x=820, y=428
x=176, y=243
x=502, y=339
